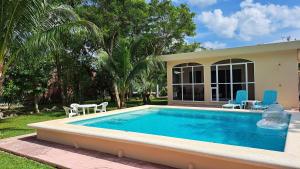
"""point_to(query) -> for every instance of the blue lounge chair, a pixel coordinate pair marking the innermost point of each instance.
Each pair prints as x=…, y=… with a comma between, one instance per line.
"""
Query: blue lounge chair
x=269, y=98
x=241, y=96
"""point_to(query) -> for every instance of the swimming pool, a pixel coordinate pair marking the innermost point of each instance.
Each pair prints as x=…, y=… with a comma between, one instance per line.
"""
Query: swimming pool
x=202, y=125
x=181, y=137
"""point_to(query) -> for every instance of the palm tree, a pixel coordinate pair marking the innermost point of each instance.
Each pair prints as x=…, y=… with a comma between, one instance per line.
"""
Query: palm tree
x=28, y=24
x=149, y=78
x=124, y=69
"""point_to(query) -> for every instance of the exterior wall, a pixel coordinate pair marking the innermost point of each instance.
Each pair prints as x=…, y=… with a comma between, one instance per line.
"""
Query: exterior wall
x=273, y=70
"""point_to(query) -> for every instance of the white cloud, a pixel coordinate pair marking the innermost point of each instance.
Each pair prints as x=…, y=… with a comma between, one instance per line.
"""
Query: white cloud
x=253, y=20
x=214, y=45
x=216, y=22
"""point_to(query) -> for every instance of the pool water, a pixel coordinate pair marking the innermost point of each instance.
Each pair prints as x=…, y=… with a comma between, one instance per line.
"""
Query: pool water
x=201, y=125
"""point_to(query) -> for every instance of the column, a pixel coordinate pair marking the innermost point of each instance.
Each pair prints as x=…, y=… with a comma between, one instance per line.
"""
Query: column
x=207, y=83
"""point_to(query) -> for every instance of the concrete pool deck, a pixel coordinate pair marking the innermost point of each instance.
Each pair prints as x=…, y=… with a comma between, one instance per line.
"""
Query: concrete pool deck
x=63, y=156
x=179, y=153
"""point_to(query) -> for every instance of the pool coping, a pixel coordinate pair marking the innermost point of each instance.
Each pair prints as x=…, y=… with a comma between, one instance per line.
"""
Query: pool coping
x=290, y=158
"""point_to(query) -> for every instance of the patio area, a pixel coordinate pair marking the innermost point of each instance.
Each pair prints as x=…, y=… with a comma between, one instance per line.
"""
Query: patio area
x=62, y=156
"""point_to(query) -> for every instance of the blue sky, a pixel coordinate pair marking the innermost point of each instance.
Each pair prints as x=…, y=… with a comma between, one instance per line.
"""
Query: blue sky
x=232, y=23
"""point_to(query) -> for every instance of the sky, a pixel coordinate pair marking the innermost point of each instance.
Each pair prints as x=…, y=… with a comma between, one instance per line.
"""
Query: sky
x=233, y=23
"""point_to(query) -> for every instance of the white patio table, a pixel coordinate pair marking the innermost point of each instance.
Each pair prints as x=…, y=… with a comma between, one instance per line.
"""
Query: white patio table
x=87, y=106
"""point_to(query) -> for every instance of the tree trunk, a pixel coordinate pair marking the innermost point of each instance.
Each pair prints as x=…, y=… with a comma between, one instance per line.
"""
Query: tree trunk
x=112, y=95
x=36, y=104
x=60, y=81
x=122, y=98
x=121, y=101
x=148, y=97
x=127, y=96
x=77, y=88
x=119, y=104
x=144, y=98
x=65, y=93
x=157, y=91
x=1, y=78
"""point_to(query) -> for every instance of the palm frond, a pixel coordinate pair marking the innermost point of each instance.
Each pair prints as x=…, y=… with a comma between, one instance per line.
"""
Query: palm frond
x=58, y=21
x=144, y=65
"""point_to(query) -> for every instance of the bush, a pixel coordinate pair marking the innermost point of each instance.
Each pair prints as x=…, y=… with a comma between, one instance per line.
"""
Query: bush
x=10, y=93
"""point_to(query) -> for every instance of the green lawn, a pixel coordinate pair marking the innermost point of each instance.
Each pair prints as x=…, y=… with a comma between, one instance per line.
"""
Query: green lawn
x=18, y=126
x=9, y=161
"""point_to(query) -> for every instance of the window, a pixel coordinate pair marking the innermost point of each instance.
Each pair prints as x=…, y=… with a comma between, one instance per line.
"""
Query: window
x=188, y=82
x=229, y=76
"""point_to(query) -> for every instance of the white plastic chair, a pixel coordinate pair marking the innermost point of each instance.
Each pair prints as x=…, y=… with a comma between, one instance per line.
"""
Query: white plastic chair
x=74, y=106
x=70, y=112
x=103, y=107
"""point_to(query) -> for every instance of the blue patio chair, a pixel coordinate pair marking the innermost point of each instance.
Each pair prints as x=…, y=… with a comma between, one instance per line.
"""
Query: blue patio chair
x=269, y=98
x=241, y=96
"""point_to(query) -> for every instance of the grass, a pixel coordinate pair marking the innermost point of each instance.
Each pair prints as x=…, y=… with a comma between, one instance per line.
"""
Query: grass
x=18, y=126
x=9, y=161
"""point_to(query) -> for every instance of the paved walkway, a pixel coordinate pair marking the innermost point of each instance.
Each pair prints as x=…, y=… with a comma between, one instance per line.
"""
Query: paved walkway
x=62, y=156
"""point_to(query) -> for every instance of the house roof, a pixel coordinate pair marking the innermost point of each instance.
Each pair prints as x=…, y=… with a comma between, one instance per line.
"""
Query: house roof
x=262, y=48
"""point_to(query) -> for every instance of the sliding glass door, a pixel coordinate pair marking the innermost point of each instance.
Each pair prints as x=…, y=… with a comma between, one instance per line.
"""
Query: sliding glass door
x=229, y=76
x=188, y=82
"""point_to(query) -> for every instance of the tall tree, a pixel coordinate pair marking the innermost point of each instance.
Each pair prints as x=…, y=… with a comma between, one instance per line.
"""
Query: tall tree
x=74, y=65
x=159, y=24
x=168, y=25
x=116, y=19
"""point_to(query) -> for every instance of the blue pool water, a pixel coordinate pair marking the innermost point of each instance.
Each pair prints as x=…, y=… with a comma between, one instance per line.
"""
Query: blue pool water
x=211, y=126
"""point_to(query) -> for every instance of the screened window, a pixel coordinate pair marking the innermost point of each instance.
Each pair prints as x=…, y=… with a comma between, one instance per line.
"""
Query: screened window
x=188, y=82
x=229, y=76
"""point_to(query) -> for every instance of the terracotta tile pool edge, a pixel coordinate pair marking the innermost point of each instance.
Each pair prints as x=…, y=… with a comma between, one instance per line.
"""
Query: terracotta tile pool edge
x=23, y=155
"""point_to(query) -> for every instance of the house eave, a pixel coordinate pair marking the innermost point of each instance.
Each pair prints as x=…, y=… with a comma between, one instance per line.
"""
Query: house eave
x=263, y=48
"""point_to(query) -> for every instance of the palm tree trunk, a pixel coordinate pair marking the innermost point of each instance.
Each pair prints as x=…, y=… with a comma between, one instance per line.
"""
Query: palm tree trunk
x=119, y=104
x=122, y=98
